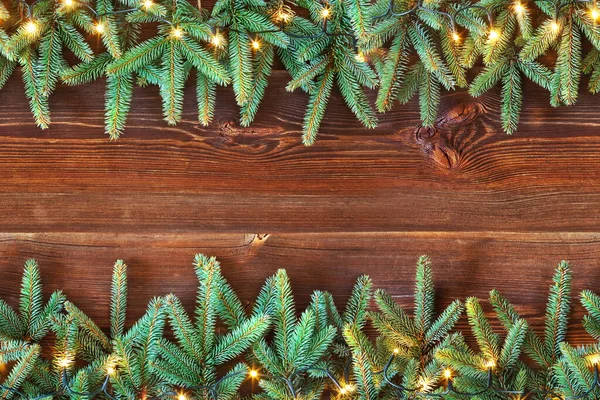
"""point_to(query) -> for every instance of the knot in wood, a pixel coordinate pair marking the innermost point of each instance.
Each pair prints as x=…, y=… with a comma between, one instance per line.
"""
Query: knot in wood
x=460, y=114
x=444, y=142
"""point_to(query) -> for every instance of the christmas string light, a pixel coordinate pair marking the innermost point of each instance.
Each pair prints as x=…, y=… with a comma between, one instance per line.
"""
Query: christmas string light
x=111, y=370
x=283, y=18
x=493, y=34
x=217, y=40
x=31, y=26
x=560, y=5
x=489, y=387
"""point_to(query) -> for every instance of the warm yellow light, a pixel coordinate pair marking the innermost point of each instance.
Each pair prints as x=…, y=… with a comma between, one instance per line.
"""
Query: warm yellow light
x=349, y=388
x=177, y=33
x=99, y=28
x=217, y=40
x=455, y=37
x=519, y=9
x=255, y=44
x=181, y=396
x=494, y=35
x=110, y=371
x=31, y=27
x=595, y=359
x=489, y=364
x=555, y=26
x=325, y=13
x=283, y=16
x=360, y=57
x=594, y=14
x=343, y=391
x=448, y=373
x=148, y=4
x=424, y=383
x=65, y=362
x=396, y=351
x=68, y=3
x=253, y=373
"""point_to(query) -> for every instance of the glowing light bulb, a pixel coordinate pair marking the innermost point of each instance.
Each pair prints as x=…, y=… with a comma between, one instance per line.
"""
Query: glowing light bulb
x=64, y=362
x=494, y=35
x=110, y=371
x=489, y=364
x=448, y=373
x=555, y=26
x=217, y=40
x=396, y=351
x=283, y=16
x=31, y=27
x=177, y=33
x=253, y=373
x=99, y=28
x=343, y=391
x=424, y=383
x=595, y=359
x=594, y=14
x=181, y=396
x=68, y=3
x=455, y=37
x=325, y=13
x=255, y=44
x=360, y=57
x=519, y=9
x=349, y=388
x=148, y=4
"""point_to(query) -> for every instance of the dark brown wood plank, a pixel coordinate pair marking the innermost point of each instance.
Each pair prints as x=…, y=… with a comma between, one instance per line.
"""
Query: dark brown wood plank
x=465, y=264
x=463, y=175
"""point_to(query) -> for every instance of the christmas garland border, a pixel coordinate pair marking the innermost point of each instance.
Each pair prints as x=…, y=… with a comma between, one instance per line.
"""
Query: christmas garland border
x=294, y=357
x=403, y=48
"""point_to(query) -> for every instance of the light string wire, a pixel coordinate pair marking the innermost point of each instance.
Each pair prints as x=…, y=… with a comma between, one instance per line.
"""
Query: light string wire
x=343, y=389
x=489, y=387
x=325, y=14
x=451, y=17
x=66, y=388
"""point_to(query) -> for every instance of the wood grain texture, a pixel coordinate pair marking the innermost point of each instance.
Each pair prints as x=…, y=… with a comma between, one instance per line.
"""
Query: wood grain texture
x=463, y=175
x=493, y=211
x=464, y=264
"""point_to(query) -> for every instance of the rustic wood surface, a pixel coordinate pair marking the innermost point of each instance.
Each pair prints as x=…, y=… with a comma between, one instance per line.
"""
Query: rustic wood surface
x=493, y=211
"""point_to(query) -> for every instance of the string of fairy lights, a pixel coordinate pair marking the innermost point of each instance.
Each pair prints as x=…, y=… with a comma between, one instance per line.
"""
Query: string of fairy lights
x=284, y=16
x=427, y=389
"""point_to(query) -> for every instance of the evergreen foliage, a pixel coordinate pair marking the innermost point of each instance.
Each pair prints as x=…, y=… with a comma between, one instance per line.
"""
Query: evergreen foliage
x=33, y=319
x=419, y=48
x=413, y=341
x=298, y=344
x=199, y=350
x=21, y=331
x=353, y=316
x=329, y=56
x=130, y=352
x=415, y=354
x=543, y=351
x=168, y=58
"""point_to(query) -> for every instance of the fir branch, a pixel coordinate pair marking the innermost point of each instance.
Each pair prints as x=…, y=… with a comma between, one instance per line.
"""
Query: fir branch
x=316, y=106
x=424, y=294
x=568, y=63
x=487, y=340
x=118, y=304
x=117, y=103
x=558, y=309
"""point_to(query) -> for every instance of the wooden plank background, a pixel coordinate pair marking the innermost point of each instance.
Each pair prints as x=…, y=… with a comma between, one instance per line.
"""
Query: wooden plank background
x=493, y=211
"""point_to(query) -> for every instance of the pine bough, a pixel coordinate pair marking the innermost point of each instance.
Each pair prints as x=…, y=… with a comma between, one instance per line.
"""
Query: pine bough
x=239, y=41
x=208, y=355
